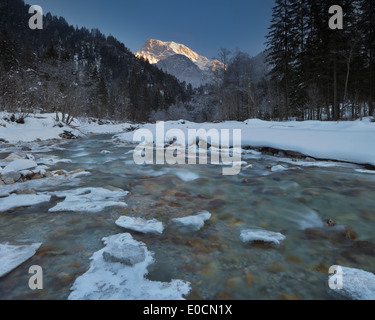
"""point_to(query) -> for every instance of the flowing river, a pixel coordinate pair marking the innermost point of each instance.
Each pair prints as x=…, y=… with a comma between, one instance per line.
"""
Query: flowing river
x=294, y=202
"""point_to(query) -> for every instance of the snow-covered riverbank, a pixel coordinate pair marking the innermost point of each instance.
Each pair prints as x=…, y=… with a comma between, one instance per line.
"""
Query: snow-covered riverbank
x=45, y=127
x=340, y=141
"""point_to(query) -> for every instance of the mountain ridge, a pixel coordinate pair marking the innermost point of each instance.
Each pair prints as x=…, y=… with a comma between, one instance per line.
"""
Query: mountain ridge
x=157, y=51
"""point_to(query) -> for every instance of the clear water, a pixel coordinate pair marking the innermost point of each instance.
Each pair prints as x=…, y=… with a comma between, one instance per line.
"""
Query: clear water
x=213, y=260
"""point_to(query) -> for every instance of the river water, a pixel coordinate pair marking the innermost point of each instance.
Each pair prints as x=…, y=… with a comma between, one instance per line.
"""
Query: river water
x=214, y=260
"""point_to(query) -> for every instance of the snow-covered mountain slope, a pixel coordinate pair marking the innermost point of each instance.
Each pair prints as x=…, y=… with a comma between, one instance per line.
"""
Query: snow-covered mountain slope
x=184, y=69
x=156, y=51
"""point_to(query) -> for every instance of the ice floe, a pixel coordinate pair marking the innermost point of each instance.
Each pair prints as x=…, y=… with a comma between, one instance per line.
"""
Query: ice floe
x=39, y=185
x=356, y=284
x=278, y=168
x=89, y=199
x=365, y=171
x=22, y=200
x=261, y=235
x=114, y=275
x=12, y=257
x=186, y=176
x=194, y=223
x=19, y=165
x=141, y=225
x=53, y=160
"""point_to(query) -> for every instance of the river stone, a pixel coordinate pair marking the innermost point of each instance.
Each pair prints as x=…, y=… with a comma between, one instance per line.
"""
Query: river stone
x=127, y=254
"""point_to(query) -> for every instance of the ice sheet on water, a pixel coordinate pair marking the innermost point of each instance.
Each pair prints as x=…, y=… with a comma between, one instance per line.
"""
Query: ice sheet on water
x=12, y=256
x=278, y=168
x=22, y=200
x=53, y=160
x=140, y=225
x=107, y=280
x=365, y=171
x=89, y=199
x=39, y=185
x=261, y=235
x=186, y=176
x=194, y=223
x=19, y=165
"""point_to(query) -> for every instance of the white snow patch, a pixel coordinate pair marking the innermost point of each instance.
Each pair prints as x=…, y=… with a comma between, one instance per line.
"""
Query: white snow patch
x=140, y=225
x=194, y=222
x=348, y=141
x=255, y=235
x=12, y=257
x=107, y=280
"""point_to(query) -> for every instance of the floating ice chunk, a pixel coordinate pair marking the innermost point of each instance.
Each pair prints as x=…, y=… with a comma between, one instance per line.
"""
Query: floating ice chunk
x=357, y=284
x=365, y=171
x=81, y=174
x=186, y=176
x=89, y=200
x=22, y=200
x=140, y=225
x=53, y=160
x=105, y=152
x=39, y=185
x=194, y=222
x=109, y=280
x=255, y=235
x=19, y=165
x=12, y=257
x=278, y=168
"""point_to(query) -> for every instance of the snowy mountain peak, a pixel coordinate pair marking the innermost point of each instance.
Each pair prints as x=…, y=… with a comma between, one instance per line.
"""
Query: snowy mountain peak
x=155, y=51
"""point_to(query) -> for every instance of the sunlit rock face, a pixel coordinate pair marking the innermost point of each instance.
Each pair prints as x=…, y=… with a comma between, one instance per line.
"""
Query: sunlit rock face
x=198, y=70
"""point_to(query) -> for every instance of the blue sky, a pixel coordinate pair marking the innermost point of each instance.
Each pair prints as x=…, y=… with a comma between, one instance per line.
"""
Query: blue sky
x=203, y=25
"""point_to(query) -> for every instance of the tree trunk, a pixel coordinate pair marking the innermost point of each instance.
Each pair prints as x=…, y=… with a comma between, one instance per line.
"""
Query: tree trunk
x=335, y=102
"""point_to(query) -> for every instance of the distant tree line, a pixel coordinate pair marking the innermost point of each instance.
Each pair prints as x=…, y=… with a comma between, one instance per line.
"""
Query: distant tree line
x=79, y=72
x=319, y=73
